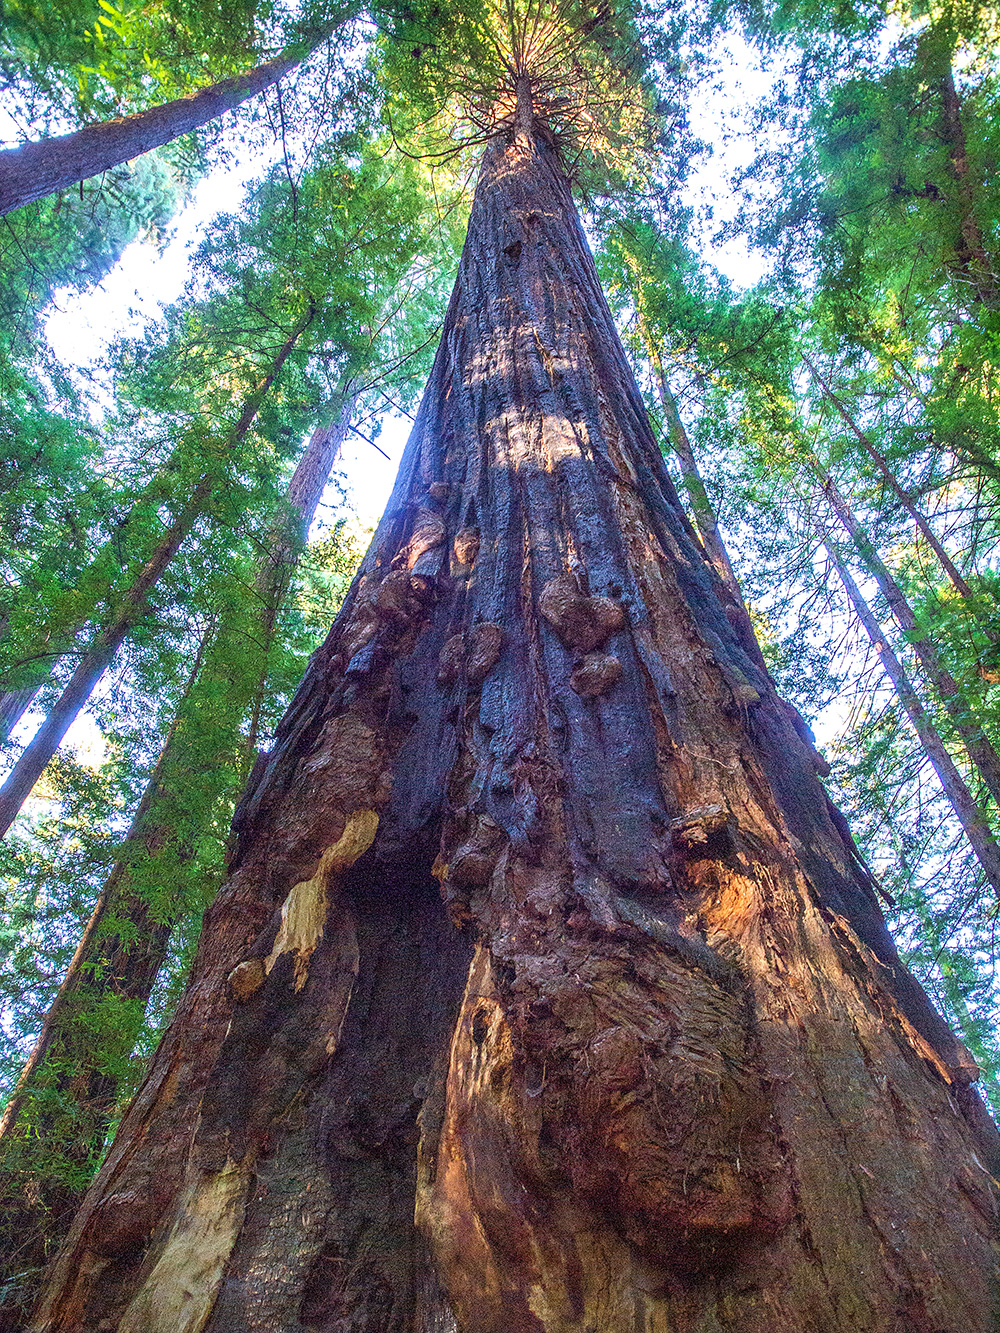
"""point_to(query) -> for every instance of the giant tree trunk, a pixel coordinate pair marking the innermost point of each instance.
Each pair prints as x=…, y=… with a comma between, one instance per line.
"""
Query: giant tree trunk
x=662, y=1068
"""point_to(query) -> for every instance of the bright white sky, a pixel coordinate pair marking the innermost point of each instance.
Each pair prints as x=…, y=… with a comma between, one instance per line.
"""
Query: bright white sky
x=81, y=327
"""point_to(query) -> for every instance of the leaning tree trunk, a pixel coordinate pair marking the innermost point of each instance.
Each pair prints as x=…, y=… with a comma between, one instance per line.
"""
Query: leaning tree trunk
x=654, y=1063
x=957, y=580
x=978, y=746
x=973, y=819
x=100, y=652
x=702, y=509
x=13, y=706
x=34, y=170
x=706, y=521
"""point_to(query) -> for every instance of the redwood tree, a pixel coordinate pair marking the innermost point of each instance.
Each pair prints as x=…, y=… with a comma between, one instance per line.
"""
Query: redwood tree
x=33, y=170
x=538, y=927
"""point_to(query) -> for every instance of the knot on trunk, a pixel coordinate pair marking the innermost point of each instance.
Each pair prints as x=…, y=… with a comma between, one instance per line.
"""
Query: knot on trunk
x=632, y=1075
x=122, y=1221
x=466, y=547
x=428, y=534
x=402, y=596
x=581, y=622
x=478, y=651
x=595, y=674
x=246, y=979
x=469, y=867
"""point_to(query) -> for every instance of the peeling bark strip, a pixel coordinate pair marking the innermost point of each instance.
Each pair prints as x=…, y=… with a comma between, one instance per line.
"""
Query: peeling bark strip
x=682, y=1082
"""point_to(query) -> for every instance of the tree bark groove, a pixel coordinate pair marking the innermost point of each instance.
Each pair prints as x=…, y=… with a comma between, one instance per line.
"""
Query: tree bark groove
x=662, y=1070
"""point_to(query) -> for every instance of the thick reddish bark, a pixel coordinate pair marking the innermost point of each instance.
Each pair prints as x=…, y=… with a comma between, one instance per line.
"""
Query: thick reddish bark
x=35, y=170
x=685, y=1082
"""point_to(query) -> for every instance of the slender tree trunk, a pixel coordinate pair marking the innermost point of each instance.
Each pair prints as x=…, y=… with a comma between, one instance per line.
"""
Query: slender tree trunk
x=305, y=490
x=965, y=1022
x=35, y=170
x=665, y=1070
x=703, y=512
x=701, y=506
x=971, y=258
x=95, y=660
x=93, y=664
x=706, y=520
x=86, y=951
x=707, y=525
x=978, y=746
x=967, y=810
x=702, y=509
x=13, y=706
x=958, y=582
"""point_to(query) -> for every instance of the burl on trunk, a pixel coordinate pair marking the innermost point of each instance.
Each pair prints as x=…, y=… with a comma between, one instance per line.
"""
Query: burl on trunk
x=652, y=1063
